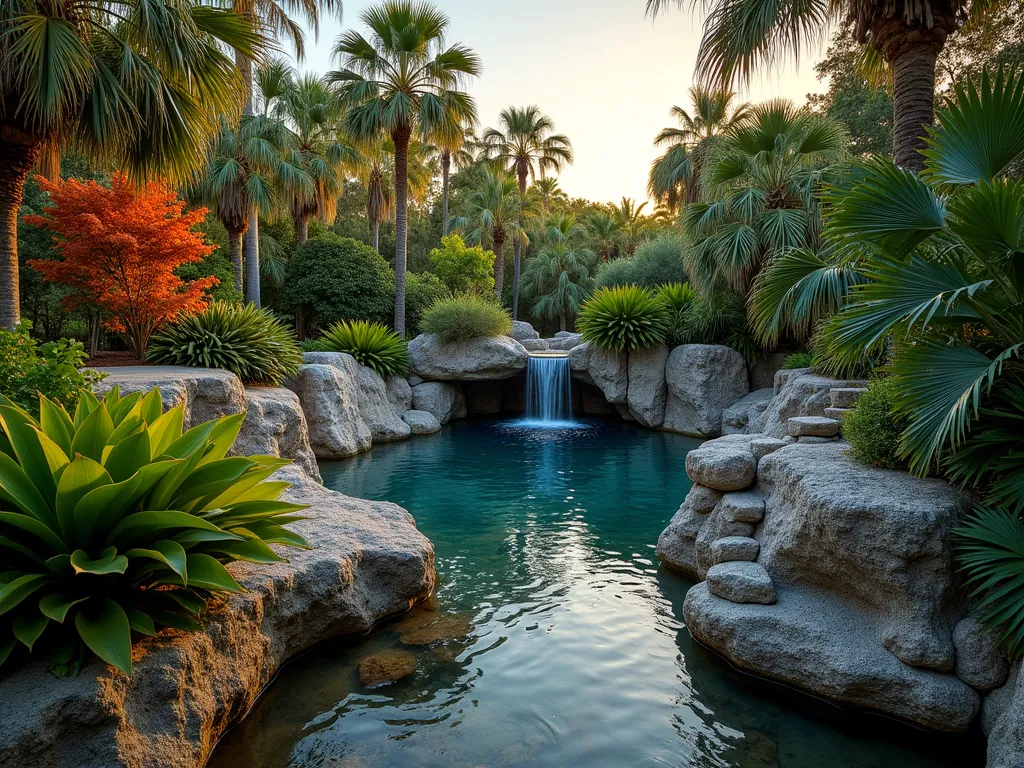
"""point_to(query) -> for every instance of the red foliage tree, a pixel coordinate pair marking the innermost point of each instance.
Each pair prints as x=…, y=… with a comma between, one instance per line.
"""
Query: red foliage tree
x=120, y=247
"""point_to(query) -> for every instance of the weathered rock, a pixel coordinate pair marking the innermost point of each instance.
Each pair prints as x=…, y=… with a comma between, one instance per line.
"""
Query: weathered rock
x=762, y=372
x=375, y=406
x=743, y=507
x=330, y=401
x=606, y=370
x=421, y=422
x=997, y=704
x=725, y=464
x=482, y=397
x=488, y=357
x=276, y=426
x=368, y=562
x=566, y=334
x=736, y=514
x=442, y=400
x=845, y=397
x=534, y=345
x=399, y=394
x=812, y=426
x=762, y=446
x=677, y=543
x=564, y=341
x=204, y=393
x=413, y=379
x=979, y=661
x=522, y=330
x=797, y=393
x=387, y=666
x=734, y=549
x=823, y=645
x=837, y=413
x=815, y=440
x=703, y=380
x=738, y=416
x=646, y=395
x=428, y=628
x=741, y=582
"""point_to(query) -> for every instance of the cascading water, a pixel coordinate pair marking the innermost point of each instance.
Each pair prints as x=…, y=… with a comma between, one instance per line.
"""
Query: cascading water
x=548, y=389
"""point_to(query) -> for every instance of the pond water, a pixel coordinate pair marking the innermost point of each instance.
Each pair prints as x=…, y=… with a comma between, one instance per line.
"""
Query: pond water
x=568, y=645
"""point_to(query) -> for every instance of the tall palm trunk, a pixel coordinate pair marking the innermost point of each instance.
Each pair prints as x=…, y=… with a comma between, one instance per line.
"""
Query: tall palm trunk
x=400, y=136
x=235, y=252
x=301, y=229
x=517, y=248
x=18, y=154
x=498, y=238
x=692, y=184
x=251, y=241
x=446, y=167
x=375, y=229
x=913, y=105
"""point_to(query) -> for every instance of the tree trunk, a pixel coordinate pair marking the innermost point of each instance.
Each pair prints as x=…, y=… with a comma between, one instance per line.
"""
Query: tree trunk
x=446, y=166
x=235, y=252
x=692, y=184
x=400, y=137
x=18, y=154
x=302, y=229
x=913, y=104
x=251, y=249
x=561, y=321
x=375, y=228
x=517, y=247
x=499, y=262
x=94, y=332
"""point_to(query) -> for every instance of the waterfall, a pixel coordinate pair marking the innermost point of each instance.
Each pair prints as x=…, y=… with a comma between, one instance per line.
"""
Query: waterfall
x=548, y=389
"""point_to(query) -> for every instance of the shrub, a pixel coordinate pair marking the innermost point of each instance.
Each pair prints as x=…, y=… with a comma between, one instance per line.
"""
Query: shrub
x=874, y=426
x=676, y=296
x=623, y=318
x=466, y=317
x=374, y=345
x=134, y=534
x=799, y=360
x=311, y=345
x=463, y=269
x=422, y=289
x=333, y=278
x=655, y=263
x=251, y=343
x=54, y=369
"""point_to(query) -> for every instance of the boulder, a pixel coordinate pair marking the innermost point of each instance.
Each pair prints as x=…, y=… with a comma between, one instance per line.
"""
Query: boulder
x=677, y=543
x=276, y=426
x=482, y=397
x=740, y=415
x=421, y=422
x=368, y=562
x=605, y=370
x=762, y=446
x=488, y=357
x=733, y=549
x=815, y=440
x=564, y=341
x=330, y=401
x=797, y=393
x=442, y=400
x=646, y=393
x=204, y=393
x=979, y=661
x=703, y=380
x=522, y=330
x=387, y=666
x=741, y=582
x=399, y=394
x=997, y=704
x=815, y=642
x=725, y=464
x=534, y=345
x=413, y=380
x=567, y=335
x=375, y=407
x=845, y=397
x=812, y=426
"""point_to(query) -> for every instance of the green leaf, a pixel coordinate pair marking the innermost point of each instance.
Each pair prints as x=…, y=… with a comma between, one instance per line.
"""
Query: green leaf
x=207, y=573
x=222, y=437
x=12, y=594
x=29, y=626
x=165, y=430
x=82, y=476
x=34, y=527
x=56, y=423
x=252, y=550
x=108, y=562
x=18, y=489
x=101, y=509
x=56, y=607
x=210, y=480
x=142, y=525
x=104, y=628
x=128, y=456
x=92, y=435
x=56, y=458
x=6, y=646
x=168, y=552
x=87, y=403
x=152, y=406
x=141, y=622
x=22, y=431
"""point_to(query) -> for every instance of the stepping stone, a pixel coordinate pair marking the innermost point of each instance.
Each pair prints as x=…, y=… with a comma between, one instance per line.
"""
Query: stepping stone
x=743, y=507
x=837, y=413
x=845, y=397
x=813, y=426
x=724, y=464
x=762, y=446
x=815, y=440
x=734, y=549
x=741, y=583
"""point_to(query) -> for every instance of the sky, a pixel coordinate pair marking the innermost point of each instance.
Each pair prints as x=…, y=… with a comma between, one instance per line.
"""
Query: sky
x=606, y=74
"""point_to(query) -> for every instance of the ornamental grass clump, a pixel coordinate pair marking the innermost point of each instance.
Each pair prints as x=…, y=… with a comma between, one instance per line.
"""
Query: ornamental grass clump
x=250, y=342
x=115, y=523
x=468, y=316
x=372, y=344
x=624, y=317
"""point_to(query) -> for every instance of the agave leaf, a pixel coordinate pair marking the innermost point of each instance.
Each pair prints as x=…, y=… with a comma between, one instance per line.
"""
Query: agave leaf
x=123, y=408
x=87, y=403
x=210, y=480
x=108, y=562
x=249, y=482
x=253, y=550
x=168, y=552
x=21, y=549
x=272, y=533
x=191, y=441
x=104, y=628
x=141, y=622
x=165, y=430
x=22, y=432
x=82, y=476
x=269, y=491
x=222, y=437
x=13, y=593
x=102, y=508
x=128, y=425
x=32, y=526
x=142, y=525
x=128, y=456
x=18, y=489
x=56, y=606
x=152, y=406
x=92, y=435
x=170, y=482
x=206, y=572
x=56, y=423
x=56, y=458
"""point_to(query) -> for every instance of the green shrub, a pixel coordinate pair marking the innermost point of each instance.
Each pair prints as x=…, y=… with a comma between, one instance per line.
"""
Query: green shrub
x=799, y=360
x=623, y=318
x=311, y=345
x=716, y=320
x=466, y=317
x=249, y=342
x=333, y=278
x=463, y=269
x=655, y=263
x=114, y=522
x=874, y=426
x=422, y=289
x=54, y=369
x=676, y=296
x=374, y=345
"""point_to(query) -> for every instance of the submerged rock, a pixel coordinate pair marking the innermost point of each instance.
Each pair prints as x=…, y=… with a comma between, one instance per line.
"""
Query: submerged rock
x=428, y=628
x=388, y=666
x=487, y=357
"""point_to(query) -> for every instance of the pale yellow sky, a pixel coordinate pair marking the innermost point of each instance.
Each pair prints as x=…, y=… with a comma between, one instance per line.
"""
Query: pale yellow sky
x=605, y=73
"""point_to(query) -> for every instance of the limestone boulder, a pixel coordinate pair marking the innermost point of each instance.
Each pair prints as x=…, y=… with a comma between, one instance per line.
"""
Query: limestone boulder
x=605, y=370
x=330, y=401
x=488, y=357
x=738, y=417
x=996, y=704
x=276, y=426
x=522, y=330
x=735, y=549
x=375, y=406
x=703, y=380
x=421, y=422
x=534, y=345
x=979, y=661
x=647, y=390
x=204, y=393
x=368, y=562
x=762, y=446
x=725, y=464
x=812, y=426
x=442, y=400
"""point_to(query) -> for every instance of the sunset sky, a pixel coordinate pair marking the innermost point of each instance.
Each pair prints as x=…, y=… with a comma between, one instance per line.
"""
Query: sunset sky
x=604, y=72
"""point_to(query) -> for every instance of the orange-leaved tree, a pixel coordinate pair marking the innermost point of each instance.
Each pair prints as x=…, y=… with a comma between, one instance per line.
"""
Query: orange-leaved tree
x=120, y=247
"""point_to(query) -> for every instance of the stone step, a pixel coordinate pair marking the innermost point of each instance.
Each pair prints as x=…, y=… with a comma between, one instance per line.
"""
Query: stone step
x=845, y=397
x=837, y=413
x=742, y=507
x=731, y=549
x=812, y=426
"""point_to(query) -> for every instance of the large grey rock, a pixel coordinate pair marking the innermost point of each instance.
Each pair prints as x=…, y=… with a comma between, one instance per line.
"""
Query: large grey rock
x=797, y=393
x=997, y=704
x=276, y=426
x=725, y=464
x=979, y=661
x=375, y=406
x=646, y=395
x=368, y=562
x=399, y=393
x=522, y=330
x=677, y=544
x=703, y=380
x=330, y=401
x=845, y=397
x=421, y=422
x=815, y=642
x=534, y=345
x=606, y=370
x=564, y=341
x=488, y=357
x=737, y=418
x=762, y=446
x=741, y=582
x=203, y=393
x=442, y=400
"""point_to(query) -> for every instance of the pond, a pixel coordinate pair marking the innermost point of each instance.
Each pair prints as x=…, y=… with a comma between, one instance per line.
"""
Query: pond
x=565, y=645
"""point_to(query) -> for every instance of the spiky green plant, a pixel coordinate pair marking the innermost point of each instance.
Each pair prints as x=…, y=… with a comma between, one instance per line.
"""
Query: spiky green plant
x=470, y=316
x=115, y=522
x=250, y=342
x=372, y=344
x=623, y=317
x=676, y=296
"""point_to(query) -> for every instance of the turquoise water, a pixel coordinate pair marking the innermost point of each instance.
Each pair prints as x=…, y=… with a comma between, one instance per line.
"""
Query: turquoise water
x=569, y=649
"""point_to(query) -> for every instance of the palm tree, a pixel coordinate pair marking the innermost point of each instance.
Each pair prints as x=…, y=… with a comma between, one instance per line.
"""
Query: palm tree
x=375, y=169
x=606, y=231
x=494, y=212
x=671, y=173
x=633, y=225
x=906, y=37
x=548, y=193
x=69, y=78
x=526, y=144
x=455, y=151
x=404, y=80
x=560, y=276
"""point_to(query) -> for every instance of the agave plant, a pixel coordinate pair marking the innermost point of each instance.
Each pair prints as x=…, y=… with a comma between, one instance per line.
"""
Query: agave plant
x=248, y=341
x=115, y=522
x=372, y=344
x=623, y=318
